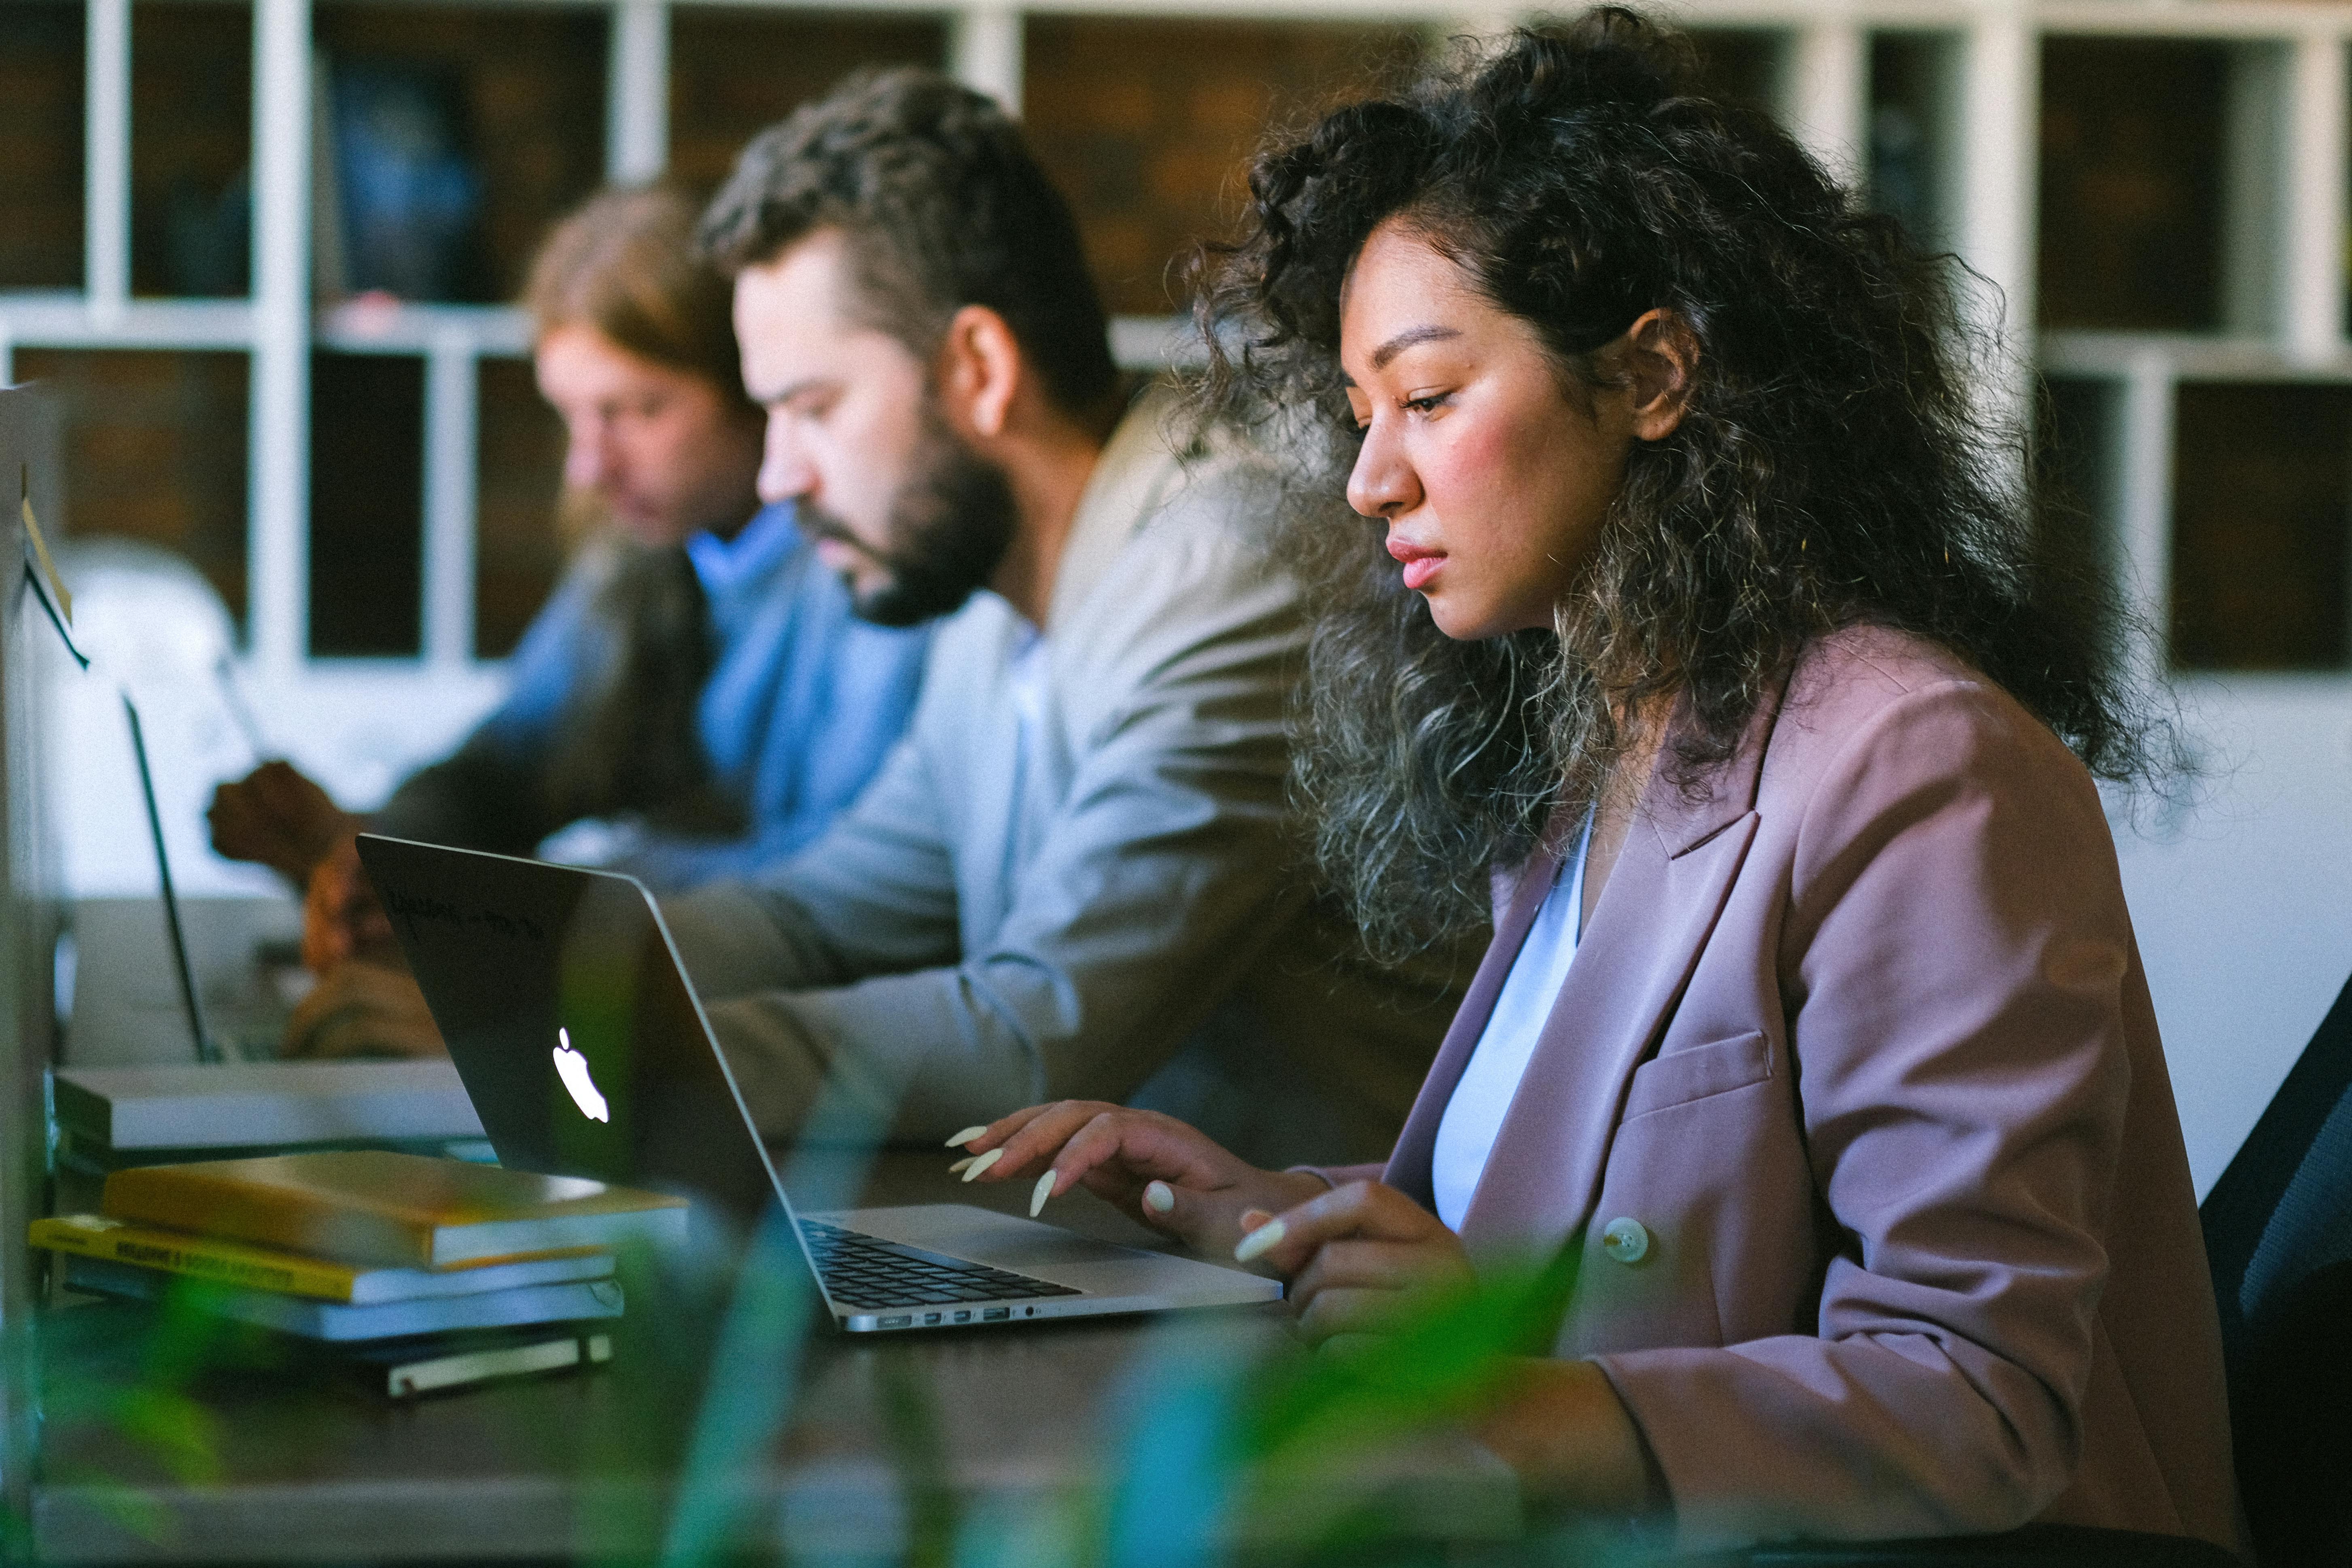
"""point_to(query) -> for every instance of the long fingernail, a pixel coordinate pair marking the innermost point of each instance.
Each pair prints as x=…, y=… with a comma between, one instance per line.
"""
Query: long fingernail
x=1261, y=1241
x=982, y=1162
x=959, y=1164
x=1158, y=1197
x=1040, y=1193
x=966, y=1136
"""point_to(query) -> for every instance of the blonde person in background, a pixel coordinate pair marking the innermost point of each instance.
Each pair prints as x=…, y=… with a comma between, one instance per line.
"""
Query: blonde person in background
x=696, y=685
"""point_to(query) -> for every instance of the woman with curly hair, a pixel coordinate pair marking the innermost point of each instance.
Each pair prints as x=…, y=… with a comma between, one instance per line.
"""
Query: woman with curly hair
x=1703, y=597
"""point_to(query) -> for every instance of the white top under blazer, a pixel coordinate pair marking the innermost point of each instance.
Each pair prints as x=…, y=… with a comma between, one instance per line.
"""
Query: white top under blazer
x=1491, y=1078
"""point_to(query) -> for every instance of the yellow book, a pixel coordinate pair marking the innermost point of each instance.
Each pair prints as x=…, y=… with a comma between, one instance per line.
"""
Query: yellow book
x=374, y=1206
x=228, y=1262
x=234, y=1263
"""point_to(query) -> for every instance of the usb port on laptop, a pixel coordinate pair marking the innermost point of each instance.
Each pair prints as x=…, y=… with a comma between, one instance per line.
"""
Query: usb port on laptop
x=995, y=1314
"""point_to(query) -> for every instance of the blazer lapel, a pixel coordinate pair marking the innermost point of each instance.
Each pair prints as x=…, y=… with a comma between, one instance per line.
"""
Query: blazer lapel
x=1667, y=889
x=1409, y=1162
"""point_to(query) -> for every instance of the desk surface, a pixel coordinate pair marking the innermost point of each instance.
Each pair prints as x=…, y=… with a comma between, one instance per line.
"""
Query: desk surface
x=974, y=1445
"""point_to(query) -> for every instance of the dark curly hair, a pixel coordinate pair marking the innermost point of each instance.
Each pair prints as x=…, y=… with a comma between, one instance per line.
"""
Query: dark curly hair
x=1836, y=462
x=942, y=204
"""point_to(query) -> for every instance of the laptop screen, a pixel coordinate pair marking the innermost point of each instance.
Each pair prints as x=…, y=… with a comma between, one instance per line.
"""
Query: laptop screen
x=578, y=1040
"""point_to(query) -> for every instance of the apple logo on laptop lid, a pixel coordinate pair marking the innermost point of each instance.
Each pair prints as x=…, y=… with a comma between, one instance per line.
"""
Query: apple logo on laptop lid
x=573, y=1068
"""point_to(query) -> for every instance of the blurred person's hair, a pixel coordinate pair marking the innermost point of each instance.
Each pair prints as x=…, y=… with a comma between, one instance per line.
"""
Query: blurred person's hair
x=1838, y=461
x=941, y=205
x=624, y=264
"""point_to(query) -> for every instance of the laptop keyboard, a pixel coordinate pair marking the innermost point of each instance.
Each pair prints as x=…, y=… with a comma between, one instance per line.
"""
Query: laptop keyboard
x=864, y=1271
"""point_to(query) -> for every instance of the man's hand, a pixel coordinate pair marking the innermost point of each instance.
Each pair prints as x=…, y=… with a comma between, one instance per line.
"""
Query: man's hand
x=276, y=815
x=340, y=917
x=1175, y=1178
x=362, y=1009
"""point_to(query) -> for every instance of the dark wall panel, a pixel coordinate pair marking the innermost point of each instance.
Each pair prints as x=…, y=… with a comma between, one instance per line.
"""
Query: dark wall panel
x=2131, y=183
x=733, y=73
x=514, y=94
x=1148, y=126
x=41, y=86
x=155, y=451
x=367, y=504
x=518, y=544
x=1912, y=160
x=191, y=148
x=1742, y=64
x=2261, y=517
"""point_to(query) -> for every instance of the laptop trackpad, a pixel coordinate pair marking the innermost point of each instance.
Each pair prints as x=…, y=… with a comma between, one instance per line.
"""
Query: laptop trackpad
x=1024, y=1246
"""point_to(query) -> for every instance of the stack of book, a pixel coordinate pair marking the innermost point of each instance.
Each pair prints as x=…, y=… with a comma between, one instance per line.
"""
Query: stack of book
x=424, y=1273
x=109, y=1118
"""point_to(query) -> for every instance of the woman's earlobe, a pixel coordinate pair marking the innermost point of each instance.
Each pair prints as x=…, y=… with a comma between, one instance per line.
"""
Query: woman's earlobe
x=1662, y=362
x=1660, y=418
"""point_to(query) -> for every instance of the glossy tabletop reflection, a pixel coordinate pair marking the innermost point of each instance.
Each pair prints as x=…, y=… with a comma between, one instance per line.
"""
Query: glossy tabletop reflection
x=1039, y=1443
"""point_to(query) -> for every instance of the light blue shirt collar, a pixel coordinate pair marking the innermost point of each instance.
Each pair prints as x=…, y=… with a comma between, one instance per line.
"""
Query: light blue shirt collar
x=724, y=565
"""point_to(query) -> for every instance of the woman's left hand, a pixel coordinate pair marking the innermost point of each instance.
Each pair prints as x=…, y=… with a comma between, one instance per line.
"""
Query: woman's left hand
x=1358, y=1258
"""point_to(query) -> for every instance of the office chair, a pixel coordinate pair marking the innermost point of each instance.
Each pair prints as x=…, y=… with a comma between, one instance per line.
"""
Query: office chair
x=2278, y=1234
x=2278, y=1237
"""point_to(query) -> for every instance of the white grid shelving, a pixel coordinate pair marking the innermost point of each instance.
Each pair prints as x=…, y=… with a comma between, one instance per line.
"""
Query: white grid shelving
x=2284, y=252
x=2284, y=255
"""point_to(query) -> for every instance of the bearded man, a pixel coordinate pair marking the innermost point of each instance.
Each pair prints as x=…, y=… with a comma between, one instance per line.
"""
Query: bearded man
x=1077, y=875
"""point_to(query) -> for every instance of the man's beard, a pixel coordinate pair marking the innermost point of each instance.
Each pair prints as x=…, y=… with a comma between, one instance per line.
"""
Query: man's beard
x=949, y=526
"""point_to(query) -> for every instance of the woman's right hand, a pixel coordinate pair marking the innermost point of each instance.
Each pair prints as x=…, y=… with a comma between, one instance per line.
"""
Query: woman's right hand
x=1174, y=1177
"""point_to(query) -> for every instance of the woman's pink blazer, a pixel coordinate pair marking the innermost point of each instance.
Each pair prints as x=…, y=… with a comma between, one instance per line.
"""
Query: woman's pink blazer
x=1860, y=1039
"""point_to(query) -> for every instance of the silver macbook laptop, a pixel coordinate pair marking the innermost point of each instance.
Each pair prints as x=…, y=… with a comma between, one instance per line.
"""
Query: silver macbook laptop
x=585, y=1052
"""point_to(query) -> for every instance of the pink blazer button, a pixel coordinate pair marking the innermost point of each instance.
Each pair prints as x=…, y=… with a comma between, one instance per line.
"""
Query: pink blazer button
x=1624, y=1241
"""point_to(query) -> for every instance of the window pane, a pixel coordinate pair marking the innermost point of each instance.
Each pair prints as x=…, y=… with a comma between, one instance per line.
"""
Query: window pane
x=41, y=143
x=459, y=137
x=1147, y=126
x=733, y=73
x=367, y=504
x=191, y=148
x=518, y=546
x=2131, y=183
x=2262, y=505
x=155, y=447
